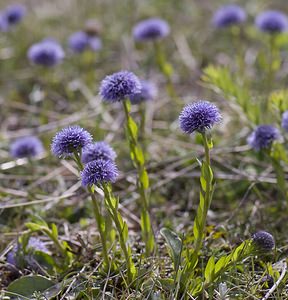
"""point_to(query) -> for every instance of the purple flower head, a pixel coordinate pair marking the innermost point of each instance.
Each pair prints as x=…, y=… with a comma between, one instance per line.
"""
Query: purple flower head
x=29, y=146
x=80, y=41
x=14, y=13
x=272, y=21
x=151, y=29
x=69, y=140
x=263, y=137
x=199, y=116
x=263, y=240
x=229, y=15
x=99, y=171
x=284, y=123
x=98, y=150
x=148, y=92
x=120, y=85
x=47, y=53
x=15, y=256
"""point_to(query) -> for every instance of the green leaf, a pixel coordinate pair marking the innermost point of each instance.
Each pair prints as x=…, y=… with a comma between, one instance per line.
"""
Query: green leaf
x=221, y=264
x=144, y=179
x=33, y=226
x=27, y=285
x=133, y=129
x=210, y=269
x=54, y=230
x=174, y=244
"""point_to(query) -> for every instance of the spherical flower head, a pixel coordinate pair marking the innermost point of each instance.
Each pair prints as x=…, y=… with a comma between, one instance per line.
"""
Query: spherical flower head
x=69, y=140
x=47, y=53
x=263, y=240
x=4, y=26
x=285, y=121
x=229, y=15
x=29, y=146
x=98, y=150
x=81, y=41
x=120, y=85
x=263, y=137
x=272, y=21
x=14, y=13
x=34, y=244
x=148, y=92
x=98, y=172
x=151, y=29
x=199, y=116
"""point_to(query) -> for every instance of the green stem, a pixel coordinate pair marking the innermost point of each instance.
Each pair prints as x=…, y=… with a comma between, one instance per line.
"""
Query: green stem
x=138, y=159
x=113, y=210
x=97, y=214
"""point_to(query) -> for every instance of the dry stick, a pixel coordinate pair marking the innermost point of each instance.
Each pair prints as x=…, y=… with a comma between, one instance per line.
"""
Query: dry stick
x=276, y=284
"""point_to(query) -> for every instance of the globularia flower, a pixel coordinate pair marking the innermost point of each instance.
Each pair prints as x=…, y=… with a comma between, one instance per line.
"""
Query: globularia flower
x=263, y=240
x=29, y=146
x=46, y=53
x=199, y=116
x=99, y=171
x=151, y=29
x=272, y=21
x=17, y=258
x=120, y=85
x=69, y=140
x=285, y=121
x=14, y=13
x=80, y=41
x=263, y=137
x=98, y=150
x=148, y=92
x=228, y=15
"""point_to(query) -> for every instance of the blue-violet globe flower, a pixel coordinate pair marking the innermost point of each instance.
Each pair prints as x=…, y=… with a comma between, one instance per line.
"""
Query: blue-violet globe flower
x=81, y=41
x=284, y=122
x=272, y=21
x=151, y=29
x=98, y=150
x=148, y=92
x=120, y=85
x=263, y=137
x=14, y=13
x=70, y=140
x=199, y=116
x=229, y=15
x=47, y=53
x=29, y=146
x=98, y=172
x=263, y=240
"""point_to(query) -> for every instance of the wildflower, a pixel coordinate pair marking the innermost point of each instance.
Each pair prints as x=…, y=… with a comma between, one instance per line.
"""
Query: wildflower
x=98, y=172
x=263, y=137
x=199, y=116
x=14, y=13
x=148, y=92
x=16, y=256
x=80, y=41
x=272, y=21
x=229, y=15
x=120, y=85
x=151, y=29
x=69, y=140
x=285, y=121
x=263, y=240
x=46, y=53
x=29, y=146
x=98, y=150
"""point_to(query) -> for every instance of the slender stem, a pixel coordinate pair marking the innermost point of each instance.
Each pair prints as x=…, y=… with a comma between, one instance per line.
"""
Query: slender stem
x=115, y=216
x=136, y=153
x=96, y=211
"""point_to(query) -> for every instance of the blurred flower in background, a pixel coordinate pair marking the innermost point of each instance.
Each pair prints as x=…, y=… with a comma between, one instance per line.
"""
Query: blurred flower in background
x=229, y=15
x=11, y=15
x=272, y=21
x=148, y=92
x=29, y=146
x=81, y=41
x=47, y=52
